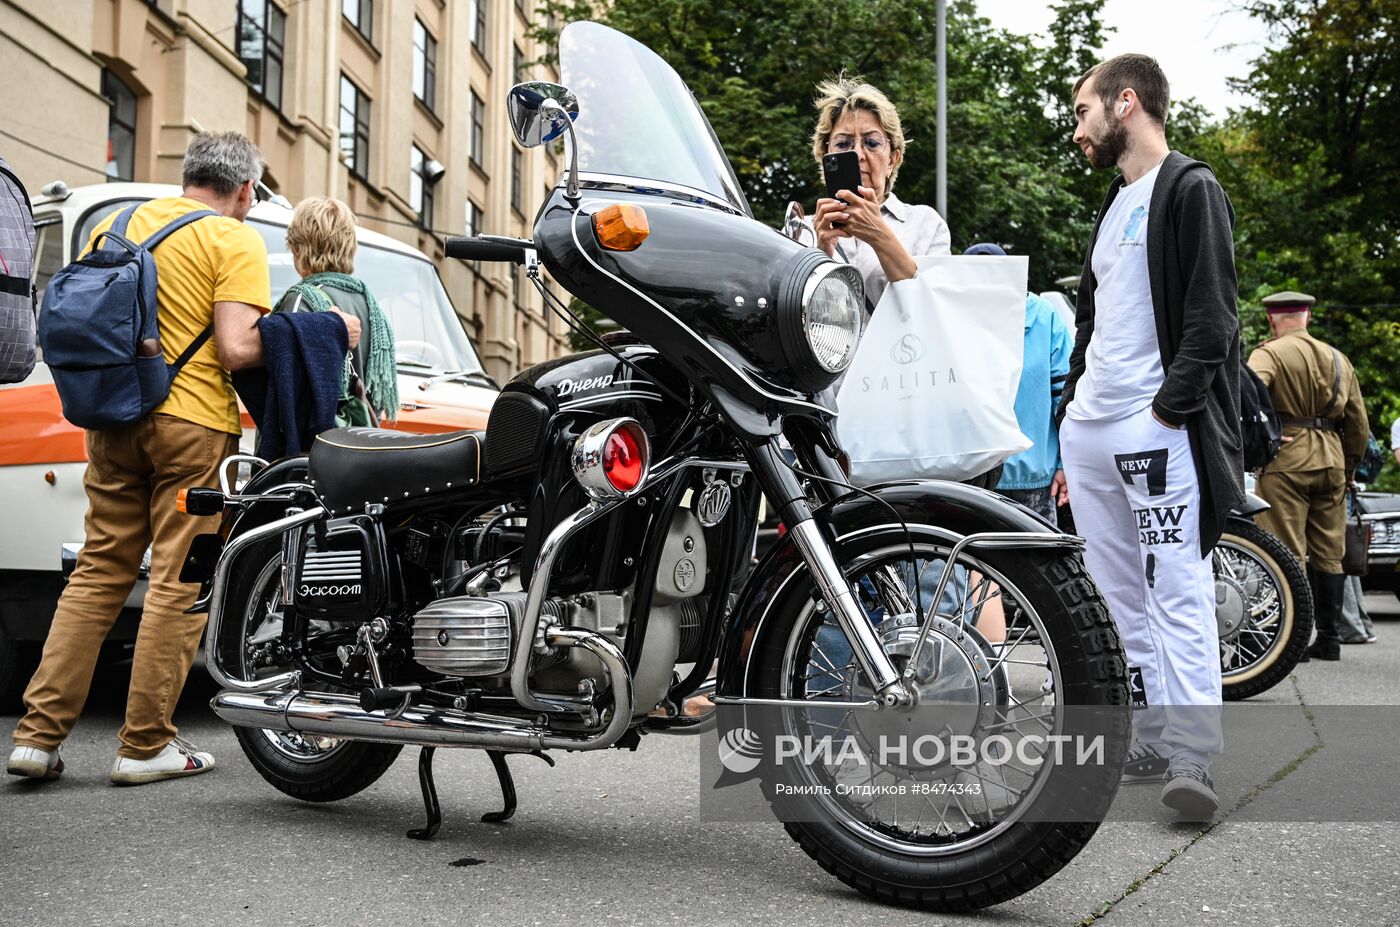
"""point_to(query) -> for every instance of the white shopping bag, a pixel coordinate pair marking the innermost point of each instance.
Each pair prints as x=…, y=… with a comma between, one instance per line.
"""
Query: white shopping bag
x=931, y=392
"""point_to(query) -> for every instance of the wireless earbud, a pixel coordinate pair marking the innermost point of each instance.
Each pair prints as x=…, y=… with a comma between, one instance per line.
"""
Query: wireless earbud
x=1122, y=108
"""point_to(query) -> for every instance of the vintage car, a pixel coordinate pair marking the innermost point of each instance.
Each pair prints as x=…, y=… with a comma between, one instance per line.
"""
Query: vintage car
x=1382, y=511
x=442, y=387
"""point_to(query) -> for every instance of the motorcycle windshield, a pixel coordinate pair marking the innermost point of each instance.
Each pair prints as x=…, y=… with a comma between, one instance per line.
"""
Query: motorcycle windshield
x=637, y=119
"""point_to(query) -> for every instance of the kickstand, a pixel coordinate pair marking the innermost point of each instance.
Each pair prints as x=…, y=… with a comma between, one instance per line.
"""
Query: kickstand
x=430, y=799
x=498, y=760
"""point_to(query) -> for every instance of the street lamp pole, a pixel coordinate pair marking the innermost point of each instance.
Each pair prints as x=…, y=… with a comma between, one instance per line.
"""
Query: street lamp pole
x=941, y=128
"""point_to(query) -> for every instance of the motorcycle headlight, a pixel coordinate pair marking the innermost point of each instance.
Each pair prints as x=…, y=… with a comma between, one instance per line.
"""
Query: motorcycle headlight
x=832, y=308
x=821, y=309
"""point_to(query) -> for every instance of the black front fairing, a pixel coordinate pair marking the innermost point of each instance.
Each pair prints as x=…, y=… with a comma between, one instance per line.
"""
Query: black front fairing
x=703, y=287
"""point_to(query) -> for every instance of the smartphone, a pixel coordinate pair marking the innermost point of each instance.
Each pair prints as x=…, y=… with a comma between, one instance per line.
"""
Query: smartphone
x=842, y=172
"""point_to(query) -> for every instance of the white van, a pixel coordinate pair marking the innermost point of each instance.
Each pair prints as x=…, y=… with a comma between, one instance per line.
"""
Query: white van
x=442, y=387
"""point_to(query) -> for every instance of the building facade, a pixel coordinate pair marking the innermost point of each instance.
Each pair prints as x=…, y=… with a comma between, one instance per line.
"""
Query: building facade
x=395, y=106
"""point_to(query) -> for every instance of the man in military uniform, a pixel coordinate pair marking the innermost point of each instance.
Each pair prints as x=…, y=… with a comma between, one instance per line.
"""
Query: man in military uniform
x=1315, y=393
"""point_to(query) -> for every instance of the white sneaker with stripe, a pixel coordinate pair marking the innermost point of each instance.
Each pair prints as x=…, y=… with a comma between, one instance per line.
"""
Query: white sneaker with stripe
x=177, y=759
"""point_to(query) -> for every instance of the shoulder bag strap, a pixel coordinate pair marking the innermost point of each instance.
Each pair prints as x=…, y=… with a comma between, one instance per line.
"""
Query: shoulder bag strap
x=116, y=232
x=172, y=226
x=1336, y=382
x=23, y=193
x=200, y=341
x=150, y=242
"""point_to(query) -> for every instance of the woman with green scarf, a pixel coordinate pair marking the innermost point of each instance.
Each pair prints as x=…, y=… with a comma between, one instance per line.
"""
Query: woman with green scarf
x=321, y=237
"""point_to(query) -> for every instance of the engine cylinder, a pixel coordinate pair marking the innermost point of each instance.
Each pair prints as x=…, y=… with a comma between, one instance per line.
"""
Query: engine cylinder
x=472, y=635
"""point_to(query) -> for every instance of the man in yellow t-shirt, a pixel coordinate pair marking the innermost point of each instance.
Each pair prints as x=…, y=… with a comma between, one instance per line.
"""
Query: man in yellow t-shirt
x=212, y=272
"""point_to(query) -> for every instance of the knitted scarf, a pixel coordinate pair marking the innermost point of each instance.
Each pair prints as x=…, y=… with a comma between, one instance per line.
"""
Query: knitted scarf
x=380, y=378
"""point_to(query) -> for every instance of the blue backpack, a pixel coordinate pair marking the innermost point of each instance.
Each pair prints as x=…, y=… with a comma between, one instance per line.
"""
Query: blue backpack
x=97, y=313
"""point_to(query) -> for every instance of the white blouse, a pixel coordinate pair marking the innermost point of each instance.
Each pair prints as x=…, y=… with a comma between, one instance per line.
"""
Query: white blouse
x=920, y=229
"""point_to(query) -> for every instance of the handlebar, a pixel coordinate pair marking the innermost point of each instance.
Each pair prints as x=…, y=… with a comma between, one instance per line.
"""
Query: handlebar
x=491, y=248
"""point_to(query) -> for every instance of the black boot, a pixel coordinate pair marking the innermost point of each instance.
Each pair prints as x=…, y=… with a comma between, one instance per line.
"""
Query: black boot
x=1327, y=614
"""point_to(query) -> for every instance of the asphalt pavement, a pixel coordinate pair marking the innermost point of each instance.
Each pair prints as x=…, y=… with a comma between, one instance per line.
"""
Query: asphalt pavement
x=617, y=837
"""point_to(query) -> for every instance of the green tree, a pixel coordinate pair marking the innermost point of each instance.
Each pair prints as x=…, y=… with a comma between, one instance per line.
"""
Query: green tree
x=1312, y=164
x=1014, y=177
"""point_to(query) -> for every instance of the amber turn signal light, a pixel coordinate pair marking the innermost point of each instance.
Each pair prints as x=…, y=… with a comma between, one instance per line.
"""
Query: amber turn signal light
x=621, y=226
x=199, y=501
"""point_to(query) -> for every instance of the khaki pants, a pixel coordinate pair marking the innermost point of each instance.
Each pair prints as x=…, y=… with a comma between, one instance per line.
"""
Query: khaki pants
x=132, y=477
x=1308, y=513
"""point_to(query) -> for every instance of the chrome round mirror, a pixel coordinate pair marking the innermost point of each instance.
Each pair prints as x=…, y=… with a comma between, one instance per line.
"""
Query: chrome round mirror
x=795, y=228
x=540, y=111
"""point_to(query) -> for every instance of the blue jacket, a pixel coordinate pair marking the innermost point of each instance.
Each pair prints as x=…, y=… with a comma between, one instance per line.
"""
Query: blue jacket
x=1043, y=373
x=293, y=397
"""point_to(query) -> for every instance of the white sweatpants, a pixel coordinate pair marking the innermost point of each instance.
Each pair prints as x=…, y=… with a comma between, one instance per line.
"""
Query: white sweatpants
x=1136, y=501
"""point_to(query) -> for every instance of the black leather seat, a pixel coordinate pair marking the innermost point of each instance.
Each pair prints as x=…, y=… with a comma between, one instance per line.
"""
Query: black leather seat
x=353, y=467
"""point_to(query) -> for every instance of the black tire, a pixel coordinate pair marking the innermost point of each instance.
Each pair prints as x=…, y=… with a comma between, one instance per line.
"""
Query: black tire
x=18, y=660
x=1289, y=639
x=1024, y=853
x=302, y=767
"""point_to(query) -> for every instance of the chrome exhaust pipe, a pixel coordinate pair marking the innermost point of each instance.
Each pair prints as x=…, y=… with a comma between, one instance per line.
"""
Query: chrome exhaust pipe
x=333, y=714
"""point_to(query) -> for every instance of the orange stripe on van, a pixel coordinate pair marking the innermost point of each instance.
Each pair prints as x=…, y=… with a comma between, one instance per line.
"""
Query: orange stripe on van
x=428, y=420
x=33, y=429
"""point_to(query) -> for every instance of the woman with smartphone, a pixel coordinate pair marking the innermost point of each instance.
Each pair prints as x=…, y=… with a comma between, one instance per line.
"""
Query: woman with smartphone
x=859, y=143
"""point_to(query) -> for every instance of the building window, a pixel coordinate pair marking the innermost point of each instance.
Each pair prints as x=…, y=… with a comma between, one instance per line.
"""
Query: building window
x=517, y=170
x=424, y=64
x=360, y=13
x=262, y=32
x=478, y=130
x=473, y=219
x=478, y=26
x=354, y=127
x=420, y=190
x=517, y=65
x=121, y=127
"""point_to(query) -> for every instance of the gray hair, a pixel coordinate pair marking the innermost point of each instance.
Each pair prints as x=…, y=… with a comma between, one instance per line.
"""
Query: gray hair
x=222, y=162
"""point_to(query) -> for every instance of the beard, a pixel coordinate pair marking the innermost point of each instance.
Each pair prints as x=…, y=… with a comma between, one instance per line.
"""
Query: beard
x=1108, y=147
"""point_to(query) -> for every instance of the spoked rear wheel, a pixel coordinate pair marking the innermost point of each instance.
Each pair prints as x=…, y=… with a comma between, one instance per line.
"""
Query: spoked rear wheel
x=1264, y=609
x=305, y=766
x=939, y=834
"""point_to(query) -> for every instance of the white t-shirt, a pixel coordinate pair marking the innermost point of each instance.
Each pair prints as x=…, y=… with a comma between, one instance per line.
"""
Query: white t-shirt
x=1123, y=366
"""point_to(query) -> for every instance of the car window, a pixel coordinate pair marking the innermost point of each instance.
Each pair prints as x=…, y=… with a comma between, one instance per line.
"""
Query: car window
x=94, y=216
x=49, y=253
x=427, y=330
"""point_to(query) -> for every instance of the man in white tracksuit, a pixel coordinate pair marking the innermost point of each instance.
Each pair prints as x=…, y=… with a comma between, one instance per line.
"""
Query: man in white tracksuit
x=1150, y=433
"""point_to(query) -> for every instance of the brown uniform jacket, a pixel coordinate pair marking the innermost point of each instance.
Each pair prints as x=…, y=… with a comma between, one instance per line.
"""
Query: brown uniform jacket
x=1299, y=372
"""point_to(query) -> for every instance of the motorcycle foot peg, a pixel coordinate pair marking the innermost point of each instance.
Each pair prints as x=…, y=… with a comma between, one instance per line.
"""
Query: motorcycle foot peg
x=380, y=699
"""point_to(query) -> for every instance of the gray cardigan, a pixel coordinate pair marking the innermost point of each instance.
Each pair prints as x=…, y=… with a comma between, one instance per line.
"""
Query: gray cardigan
x=1191, y=270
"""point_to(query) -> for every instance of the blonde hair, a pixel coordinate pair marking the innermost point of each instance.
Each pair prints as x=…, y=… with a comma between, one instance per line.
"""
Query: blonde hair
x=840, y=93
x=321, y=236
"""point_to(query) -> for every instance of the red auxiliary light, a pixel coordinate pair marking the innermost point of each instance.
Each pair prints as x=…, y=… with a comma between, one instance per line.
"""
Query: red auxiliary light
x=622, y=460
x=611, y=459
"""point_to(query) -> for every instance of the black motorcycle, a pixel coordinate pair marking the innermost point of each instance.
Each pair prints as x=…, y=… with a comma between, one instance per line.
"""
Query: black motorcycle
x=568, y=578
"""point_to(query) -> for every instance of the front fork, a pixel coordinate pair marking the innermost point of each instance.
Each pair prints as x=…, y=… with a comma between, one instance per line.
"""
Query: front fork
x=785, y=492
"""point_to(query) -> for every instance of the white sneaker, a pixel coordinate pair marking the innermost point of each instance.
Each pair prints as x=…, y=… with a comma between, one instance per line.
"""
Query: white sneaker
x=176, y=760
x=34, y=763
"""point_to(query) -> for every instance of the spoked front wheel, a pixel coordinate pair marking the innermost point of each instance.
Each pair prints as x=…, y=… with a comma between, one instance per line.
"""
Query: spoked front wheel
x=1264, y=609
x=923, y=827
